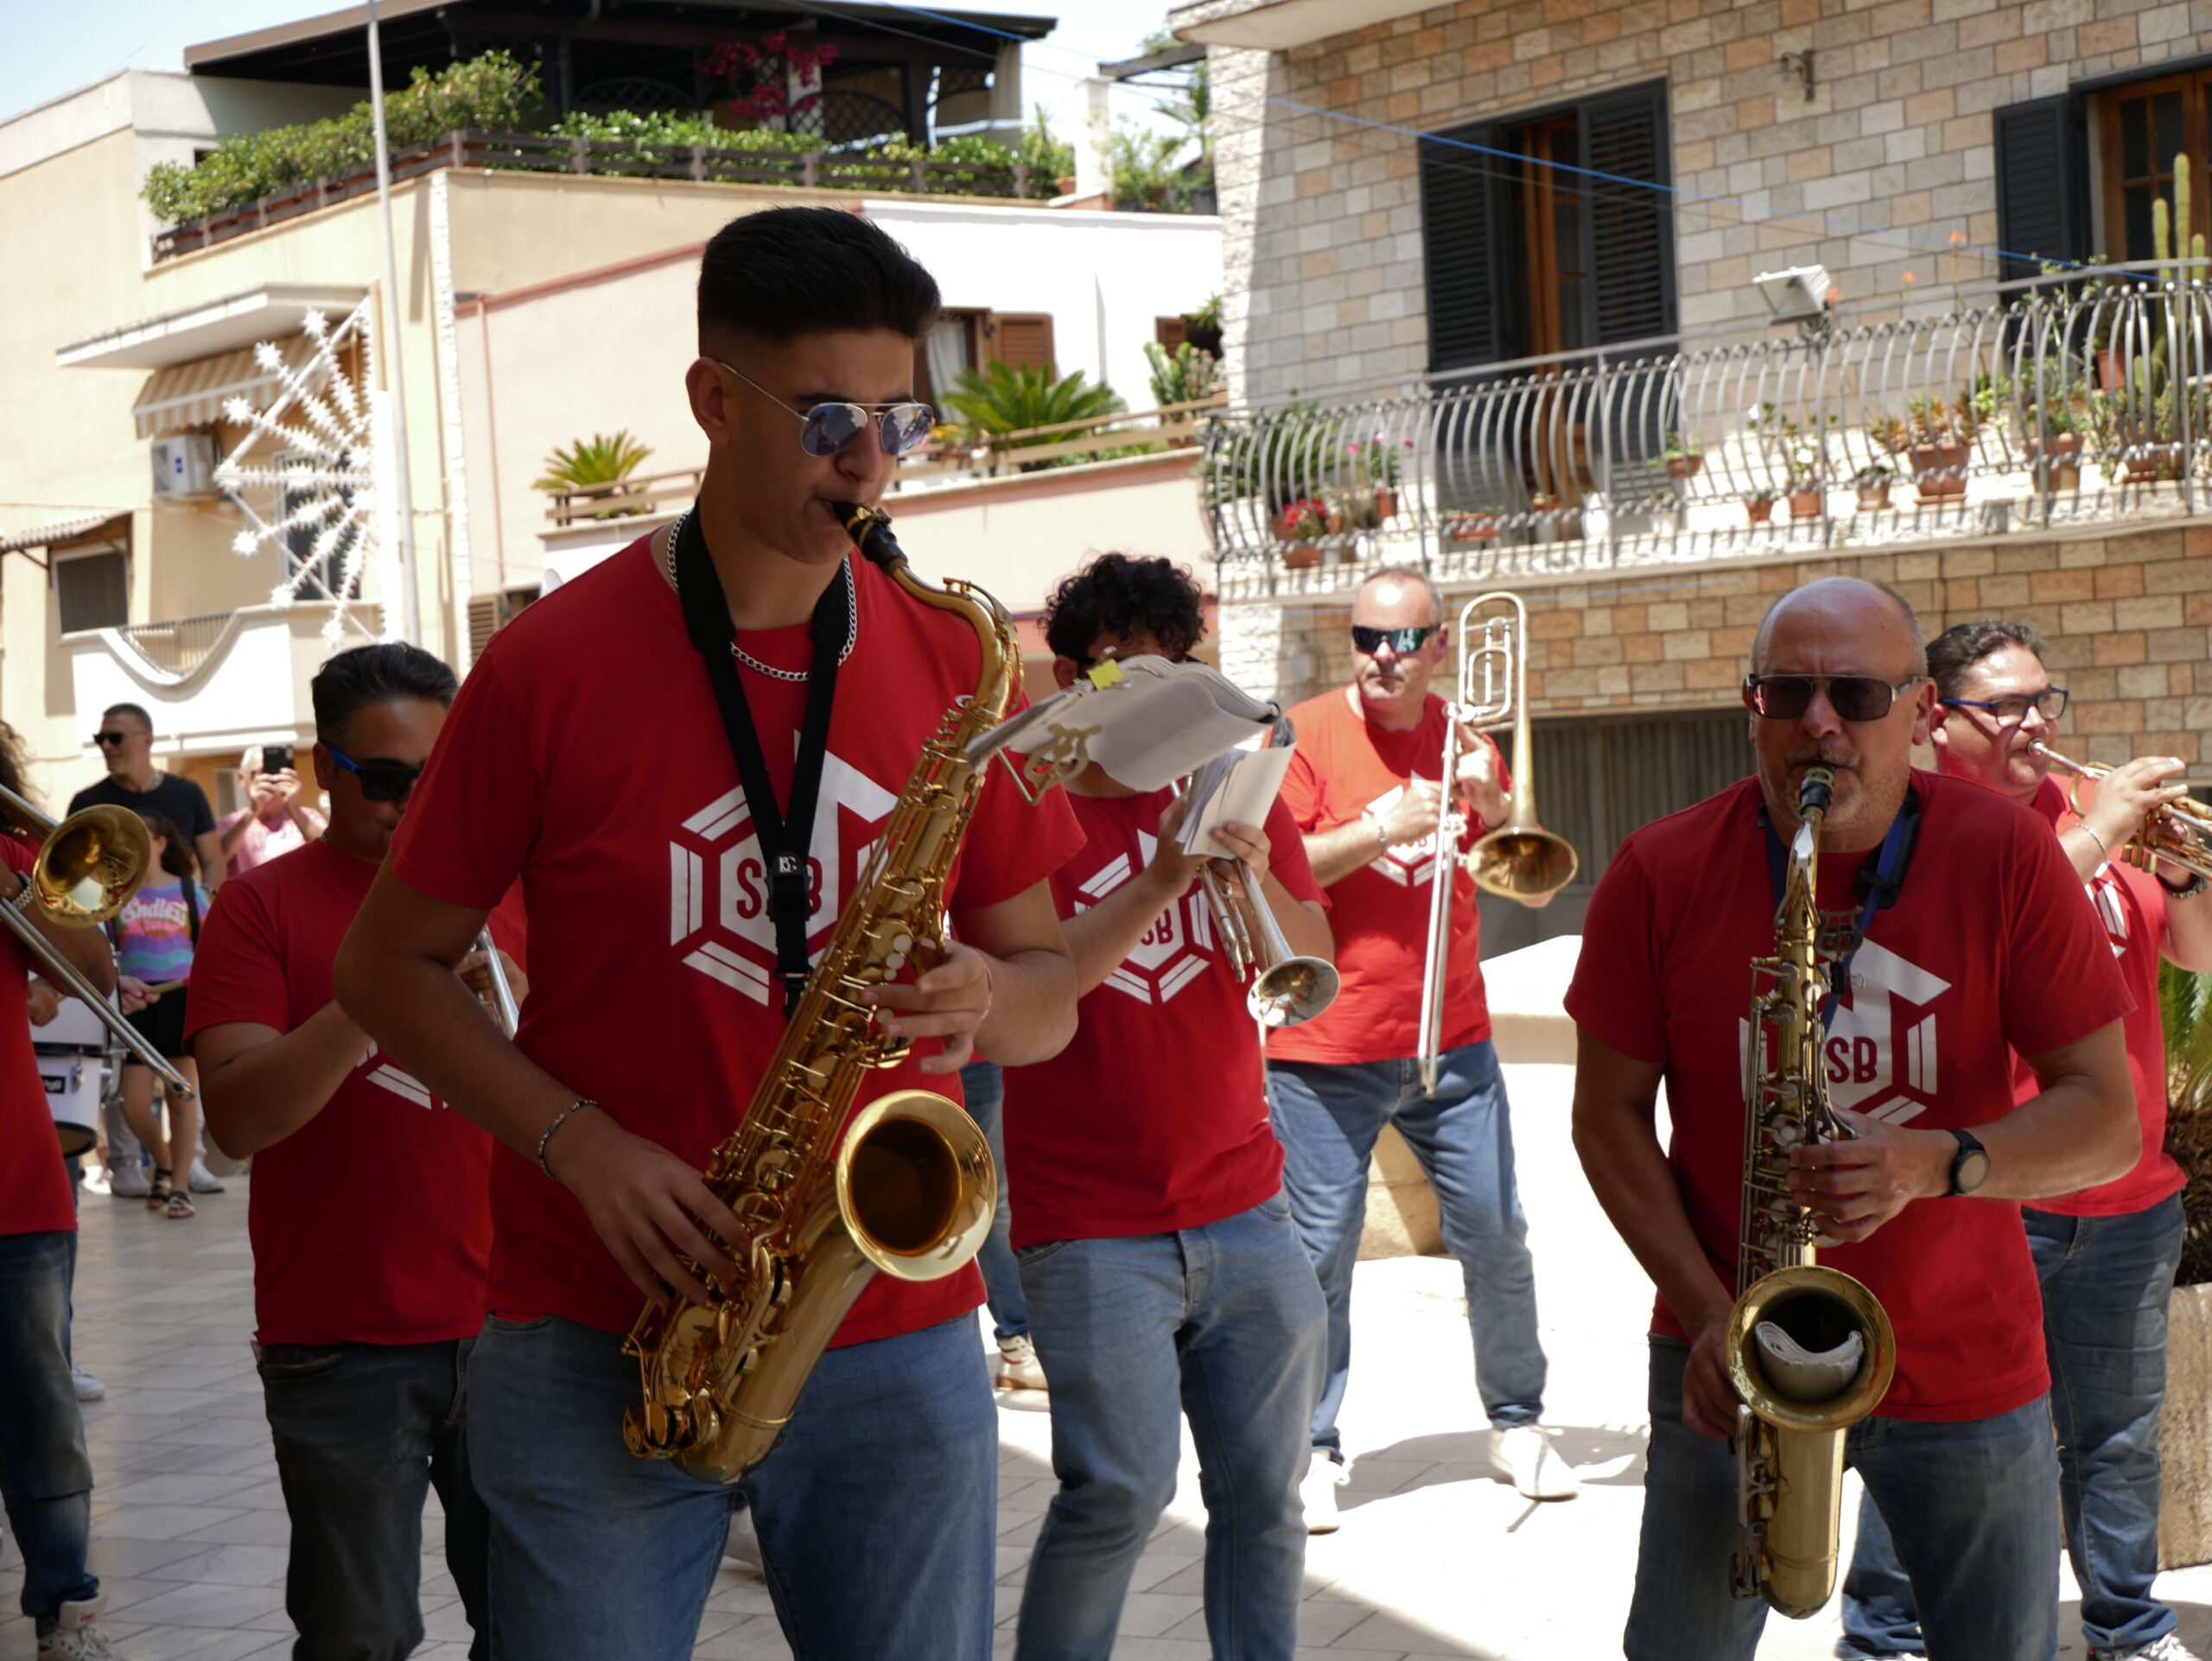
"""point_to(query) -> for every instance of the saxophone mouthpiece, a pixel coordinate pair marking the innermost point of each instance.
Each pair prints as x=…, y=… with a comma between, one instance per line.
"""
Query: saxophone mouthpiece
x=1815, y=791
x=870, y=530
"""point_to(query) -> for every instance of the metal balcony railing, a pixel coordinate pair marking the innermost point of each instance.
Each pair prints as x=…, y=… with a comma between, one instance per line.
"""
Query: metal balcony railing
x=178, y=644
x=2084, y=397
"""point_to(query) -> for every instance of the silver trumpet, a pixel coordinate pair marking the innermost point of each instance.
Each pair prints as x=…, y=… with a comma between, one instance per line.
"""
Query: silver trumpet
x=1286, y=989
x=88, y=867
x=504, y=1007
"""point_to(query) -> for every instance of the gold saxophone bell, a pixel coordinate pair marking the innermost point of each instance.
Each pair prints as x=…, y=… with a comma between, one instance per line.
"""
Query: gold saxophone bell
x=88, y=867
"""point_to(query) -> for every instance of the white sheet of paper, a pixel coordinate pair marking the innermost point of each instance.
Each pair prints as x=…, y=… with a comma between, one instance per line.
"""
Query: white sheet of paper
x=1241, y=787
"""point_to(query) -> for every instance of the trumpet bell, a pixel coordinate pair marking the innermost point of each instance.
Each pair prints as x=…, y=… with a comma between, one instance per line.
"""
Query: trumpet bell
x=1521, y=863
x=90, y=865
x=1295, y=990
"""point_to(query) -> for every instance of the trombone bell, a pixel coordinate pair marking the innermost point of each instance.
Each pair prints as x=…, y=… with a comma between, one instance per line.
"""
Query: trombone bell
x=1521, y=862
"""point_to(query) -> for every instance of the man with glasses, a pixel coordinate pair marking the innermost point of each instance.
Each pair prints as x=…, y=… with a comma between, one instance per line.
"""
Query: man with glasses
x=125, y=738
x=677, y=885
x=2105, y=1256
x=1364, y=789
x=368, y=1210
x=1956, y=935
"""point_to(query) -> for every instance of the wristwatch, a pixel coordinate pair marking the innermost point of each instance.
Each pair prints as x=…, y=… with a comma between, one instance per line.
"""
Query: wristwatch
x=2188, y=890
x=1970, y=1165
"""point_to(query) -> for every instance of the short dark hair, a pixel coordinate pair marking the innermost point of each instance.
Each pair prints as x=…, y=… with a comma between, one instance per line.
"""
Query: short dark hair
x=788, y=271
x=177, y=853
x=1119, y=593
x=139, y=710
x=1958, y=649
x=352, y=681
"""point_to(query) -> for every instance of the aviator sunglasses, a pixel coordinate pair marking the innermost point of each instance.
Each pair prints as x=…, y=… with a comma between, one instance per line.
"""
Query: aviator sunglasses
x=1402, y=640
x=828, y=428
x=381, y=780
x=1853, y=697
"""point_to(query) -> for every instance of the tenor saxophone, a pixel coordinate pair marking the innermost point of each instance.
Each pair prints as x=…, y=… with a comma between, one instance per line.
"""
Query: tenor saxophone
x=1797, y=1329
x=907, y=1190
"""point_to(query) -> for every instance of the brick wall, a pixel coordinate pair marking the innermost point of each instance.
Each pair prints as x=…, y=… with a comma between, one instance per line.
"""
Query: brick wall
x=1323, y=217
x=2127, y=619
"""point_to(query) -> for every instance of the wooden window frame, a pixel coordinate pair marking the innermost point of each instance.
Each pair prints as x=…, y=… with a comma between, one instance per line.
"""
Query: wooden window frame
x=79, y=554
x=2195, y=85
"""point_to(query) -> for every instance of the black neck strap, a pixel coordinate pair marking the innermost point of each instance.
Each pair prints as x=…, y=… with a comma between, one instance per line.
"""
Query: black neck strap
x=784, y=834
x=1881, y=879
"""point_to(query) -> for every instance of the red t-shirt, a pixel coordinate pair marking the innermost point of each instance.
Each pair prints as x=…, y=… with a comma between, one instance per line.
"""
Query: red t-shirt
x=2131, y=905
x=1345, y=766
x=1155, y=1118
x=1989, y=948
x=586, y=755
x=408, y=1268
x=35, y=1196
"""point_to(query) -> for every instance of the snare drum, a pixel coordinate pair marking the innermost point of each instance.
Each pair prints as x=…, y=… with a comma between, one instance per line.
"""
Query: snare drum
x=70, y=1047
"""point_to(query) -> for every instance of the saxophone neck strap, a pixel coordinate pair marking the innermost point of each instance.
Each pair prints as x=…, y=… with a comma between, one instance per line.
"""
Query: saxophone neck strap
x=785, y=832
x=1881, y=879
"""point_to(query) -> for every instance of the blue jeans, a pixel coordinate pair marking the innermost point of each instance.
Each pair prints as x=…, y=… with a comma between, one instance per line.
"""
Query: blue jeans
x=46, y=1477
x=2105, y=1284
x=363, y=1431
x=1327, y=1118
x=984, y=1087
x=1975, y=1503
x=1223, y=1323
x=876, y=1511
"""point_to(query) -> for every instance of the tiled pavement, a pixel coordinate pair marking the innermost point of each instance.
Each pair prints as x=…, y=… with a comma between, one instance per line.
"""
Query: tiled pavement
x=1437, y=1557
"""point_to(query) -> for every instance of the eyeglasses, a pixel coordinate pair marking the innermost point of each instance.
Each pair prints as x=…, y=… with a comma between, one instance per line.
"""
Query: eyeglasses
x=1853, y=697
x=2049, y=704
x=828, y=428
x=108, y=741
x=1368, y=641
x=381, y=780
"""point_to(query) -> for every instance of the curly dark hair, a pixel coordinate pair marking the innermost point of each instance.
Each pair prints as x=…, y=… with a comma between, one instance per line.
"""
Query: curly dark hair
x=1958, y=649
x=1118, y=593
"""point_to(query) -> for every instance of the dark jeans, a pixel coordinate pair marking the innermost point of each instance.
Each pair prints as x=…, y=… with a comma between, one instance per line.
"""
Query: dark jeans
x=363, y=1431
x=45, y=1478
x=2106, y=1284
x=984, y=1085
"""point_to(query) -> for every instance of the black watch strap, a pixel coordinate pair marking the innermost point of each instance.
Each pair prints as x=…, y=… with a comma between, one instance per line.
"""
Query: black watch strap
x=1970, y=1165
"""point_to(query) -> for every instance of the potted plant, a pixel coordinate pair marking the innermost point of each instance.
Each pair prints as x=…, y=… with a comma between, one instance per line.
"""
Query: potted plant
x=1939, y=437
x=1472, y=524
x=1808, y=480
x=591, y=467
x=1300, y=527
x=1375, y=478
x=1873, y=483
x=1759, y=503
x=1685, y=455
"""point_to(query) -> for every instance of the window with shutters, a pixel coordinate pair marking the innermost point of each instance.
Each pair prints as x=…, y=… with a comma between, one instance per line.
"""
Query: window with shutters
x=2141, y=130
x=91, y=589
x=1024, y=340
x=1549, y=232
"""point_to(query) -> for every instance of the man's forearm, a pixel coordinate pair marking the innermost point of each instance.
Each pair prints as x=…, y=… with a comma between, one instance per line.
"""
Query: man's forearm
x=214, y=861
x=1033, y=1008
x=1304, y=927
x=1101, y=937
x=2187, y=944
x=2066, y=1139
x=262, y=1095
x=234, y=833
x=1336, y=854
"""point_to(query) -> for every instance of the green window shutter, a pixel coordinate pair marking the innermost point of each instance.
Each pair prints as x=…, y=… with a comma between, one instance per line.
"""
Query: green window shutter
x=1631, y=216
x=1459, y=249
x=2043, y=196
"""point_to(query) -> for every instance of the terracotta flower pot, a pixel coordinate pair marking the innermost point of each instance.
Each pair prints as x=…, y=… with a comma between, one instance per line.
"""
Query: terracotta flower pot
x=1760, y=508
x=2057, y=465
x=1386, y=502
x=1939, y=470
x=1471, y=527
x=1873, y=497
x=1806, y=503
x=1301, y=554
x=1684, y=466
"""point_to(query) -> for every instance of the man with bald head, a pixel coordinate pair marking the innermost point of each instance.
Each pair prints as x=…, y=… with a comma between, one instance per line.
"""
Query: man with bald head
x=1366, y=789
x=1955, y=934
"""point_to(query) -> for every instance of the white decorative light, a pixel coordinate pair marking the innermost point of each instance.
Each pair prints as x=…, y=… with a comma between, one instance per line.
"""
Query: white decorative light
x=328, y=487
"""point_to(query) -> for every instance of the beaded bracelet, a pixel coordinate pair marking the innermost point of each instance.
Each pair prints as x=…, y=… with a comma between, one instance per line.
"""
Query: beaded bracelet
x=546, y=1135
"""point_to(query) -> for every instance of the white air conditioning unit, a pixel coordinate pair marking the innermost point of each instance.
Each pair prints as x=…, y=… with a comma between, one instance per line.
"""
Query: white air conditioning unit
x=184, y=467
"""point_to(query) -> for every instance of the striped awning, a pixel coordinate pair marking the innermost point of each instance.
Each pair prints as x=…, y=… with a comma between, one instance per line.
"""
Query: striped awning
x=190, y=395
x=76, y=530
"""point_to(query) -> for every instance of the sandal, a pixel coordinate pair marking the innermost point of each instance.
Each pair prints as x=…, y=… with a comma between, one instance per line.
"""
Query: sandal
x=160, y=1193
x=180, y=1205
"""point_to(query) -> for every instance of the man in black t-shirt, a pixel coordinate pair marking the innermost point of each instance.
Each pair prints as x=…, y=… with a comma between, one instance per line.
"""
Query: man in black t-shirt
x=126, y=741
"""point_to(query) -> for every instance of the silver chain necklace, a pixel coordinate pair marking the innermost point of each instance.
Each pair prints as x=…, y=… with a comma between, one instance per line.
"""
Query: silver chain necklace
x=852, y=615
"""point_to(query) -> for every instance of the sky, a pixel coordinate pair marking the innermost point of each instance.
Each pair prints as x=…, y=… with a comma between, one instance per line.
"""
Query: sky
x=49, y=48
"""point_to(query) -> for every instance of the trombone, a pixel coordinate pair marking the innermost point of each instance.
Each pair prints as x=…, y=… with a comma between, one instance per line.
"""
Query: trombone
x=88, y=867
x=1520, y=859
x=1286, y=989
x=2180, y=832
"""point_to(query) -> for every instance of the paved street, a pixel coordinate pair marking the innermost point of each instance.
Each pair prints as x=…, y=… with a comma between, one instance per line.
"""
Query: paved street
x=1437, y=1556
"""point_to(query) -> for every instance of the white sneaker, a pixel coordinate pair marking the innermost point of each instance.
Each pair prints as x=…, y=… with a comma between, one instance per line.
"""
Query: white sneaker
x=203, y=1179
x=77, y=1639
x=1317, y=1494
x=89, y=1389
x=1538, y=1472
x=96, y=1180
x=129, y=1183
x=2169, y=1648
x=1018, y=1367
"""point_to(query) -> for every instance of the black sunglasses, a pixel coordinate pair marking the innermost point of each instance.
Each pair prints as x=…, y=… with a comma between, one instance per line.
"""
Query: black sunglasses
x=1853, y=697
x=381, y=780
x=105, y=739
x=1368, y=641
x=2049, y=704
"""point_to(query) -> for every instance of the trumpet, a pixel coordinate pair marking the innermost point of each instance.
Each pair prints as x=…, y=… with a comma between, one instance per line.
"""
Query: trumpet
x=88, y=867
x=1286, y=989
x=504, y=1007
x=2180, y=832
x=1520, y=859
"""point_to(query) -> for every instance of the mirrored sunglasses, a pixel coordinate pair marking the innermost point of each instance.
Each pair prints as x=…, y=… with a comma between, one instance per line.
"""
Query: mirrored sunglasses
x=1853, y=697
x=828, y=428
x=381, y=780
x=1402, y=640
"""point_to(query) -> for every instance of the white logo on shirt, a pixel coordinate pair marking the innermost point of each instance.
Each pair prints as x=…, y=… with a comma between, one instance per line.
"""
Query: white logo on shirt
x=1167, y=958
x=718, y=882
x=1408, y=864
x=1880, y=1055
x=2104, y=894
x=399, y=1083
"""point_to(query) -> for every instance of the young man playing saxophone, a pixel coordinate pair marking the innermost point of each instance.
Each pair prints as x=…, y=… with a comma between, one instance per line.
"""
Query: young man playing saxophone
x=1956, y=934
x=2106, y=1256
x=650, y=911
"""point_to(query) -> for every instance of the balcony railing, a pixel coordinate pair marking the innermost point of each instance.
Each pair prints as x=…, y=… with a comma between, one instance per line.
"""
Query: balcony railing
x=2080, y=399
x=179, y=645
x=640, y=494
